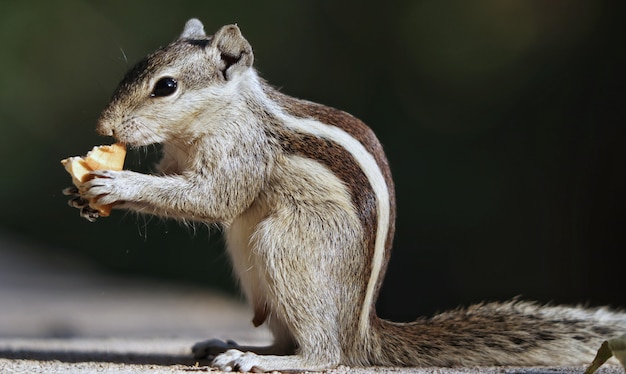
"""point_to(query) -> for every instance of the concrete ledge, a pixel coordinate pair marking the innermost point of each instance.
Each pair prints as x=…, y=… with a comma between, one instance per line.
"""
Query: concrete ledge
x=62, y=316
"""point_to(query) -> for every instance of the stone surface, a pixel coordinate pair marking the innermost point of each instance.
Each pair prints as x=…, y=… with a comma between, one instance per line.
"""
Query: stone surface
x=60, y=315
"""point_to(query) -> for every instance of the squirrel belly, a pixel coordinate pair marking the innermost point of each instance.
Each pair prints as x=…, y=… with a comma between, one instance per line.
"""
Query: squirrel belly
x=306, y=198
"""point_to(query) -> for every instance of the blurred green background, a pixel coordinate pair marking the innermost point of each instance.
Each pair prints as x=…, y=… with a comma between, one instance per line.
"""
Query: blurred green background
x=502, y=121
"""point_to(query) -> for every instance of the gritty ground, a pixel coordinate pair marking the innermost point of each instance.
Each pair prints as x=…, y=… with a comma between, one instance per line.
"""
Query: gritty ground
x=61, y=316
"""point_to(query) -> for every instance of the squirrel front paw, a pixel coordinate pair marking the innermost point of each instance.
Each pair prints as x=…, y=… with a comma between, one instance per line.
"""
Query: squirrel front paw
x=79, y=202
x=108, y=187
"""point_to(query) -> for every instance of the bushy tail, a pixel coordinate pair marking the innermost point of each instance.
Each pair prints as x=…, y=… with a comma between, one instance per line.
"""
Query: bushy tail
x=514, y=333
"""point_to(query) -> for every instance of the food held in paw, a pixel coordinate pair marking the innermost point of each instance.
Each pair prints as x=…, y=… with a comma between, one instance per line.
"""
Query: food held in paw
x=104, y=157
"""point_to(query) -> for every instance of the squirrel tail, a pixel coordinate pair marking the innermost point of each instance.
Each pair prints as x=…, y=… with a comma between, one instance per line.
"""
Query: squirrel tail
x=513, y=333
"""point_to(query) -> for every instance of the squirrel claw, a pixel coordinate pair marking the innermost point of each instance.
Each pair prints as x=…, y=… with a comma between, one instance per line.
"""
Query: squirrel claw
x=89, y=213
x=71, y=191
x=79, y=202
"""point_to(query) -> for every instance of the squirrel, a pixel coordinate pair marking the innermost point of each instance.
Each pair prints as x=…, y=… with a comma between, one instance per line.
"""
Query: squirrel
x=306, y=200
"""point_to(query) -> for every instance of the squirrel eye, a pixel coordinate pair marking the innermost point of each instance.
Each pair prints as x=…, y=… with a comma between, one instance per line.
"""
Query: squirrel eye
x=164, y=87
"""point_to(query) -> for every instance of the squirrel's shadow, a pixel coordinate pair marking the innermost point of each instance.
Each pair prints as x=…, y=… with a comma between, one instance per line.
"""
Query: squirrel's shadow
x=76, y=356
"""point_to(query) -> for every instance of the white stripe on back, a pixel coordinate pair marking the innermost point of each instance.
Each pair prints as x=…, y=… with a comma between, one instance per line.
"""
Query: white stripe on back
x=374, y=175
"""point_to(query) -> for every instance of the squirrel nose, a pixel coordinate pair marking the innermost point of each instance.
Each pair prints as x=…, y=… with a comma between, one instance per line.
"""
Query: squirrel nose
x=104, y=129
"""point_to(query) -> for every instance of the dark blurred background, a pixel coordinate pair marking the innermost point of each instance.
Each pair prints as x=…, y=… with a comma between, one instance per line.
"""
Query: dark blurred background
x=502, y=121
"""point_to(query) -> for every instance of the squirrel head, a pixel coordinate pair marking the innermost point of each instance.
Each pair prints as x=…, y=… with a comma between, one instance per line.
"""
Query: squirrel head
x=165, y=95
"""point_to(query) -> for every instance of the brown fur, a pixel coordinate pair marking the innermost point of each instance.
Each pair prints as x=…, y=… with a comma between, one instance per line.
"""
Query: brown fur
x=360, y=131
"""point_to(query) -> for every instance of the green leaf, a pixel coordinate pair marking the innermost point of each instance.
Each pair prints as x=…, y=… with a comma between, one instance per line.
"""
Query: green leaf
x=618, y=346
x=612, y=347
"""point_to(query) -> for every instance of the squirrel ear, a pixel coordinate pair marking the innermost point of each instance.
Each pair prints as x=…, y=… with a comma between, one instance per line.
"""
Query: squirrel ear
x=194, y=29
x=235, y=51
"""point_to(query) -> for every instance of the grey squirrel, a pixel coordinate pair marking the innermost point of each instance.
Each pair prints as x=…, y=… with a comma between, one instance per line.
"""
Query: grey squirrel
x=305, y=196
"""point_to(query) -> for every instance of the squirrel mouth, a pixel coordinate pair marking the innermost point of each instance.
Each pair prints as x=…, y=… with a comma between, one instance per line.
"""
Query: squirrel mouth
x=131, y=131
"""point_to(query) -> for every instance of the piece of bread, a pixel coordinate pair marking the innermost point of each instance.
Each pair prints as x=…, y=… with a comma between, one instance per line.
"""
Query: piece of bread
x=104, y=157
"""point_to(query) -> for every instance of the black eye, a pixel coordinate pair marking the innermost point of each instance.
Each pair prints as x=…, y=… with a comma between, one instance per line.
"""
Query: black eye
x=164, y=87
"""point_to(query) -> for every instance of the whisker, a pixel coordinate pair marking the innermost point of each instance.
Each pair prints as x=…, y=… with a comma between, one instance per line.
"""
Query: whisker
x=124, y=55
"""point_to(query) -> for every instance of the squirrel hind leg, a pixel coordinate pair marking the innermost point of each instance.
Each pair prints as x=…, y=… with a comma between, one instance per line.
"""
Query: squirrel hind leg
x=283, y=343
x=214, y=347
